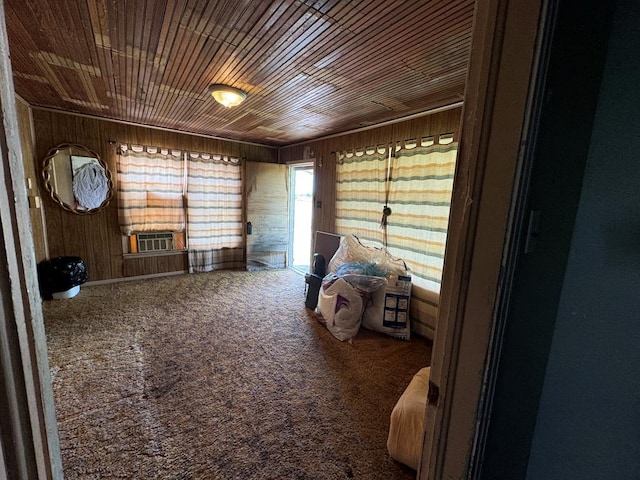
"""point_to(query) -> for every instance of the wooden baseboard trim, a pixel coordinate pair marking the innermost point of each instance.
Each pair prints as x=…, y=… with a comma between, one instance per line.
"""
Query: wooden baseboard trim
x=137, y=277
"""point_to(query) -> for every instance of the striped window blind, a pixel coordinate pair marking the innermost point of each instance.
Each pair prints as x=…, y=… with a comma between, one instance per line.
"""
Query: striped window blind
x=150, y=189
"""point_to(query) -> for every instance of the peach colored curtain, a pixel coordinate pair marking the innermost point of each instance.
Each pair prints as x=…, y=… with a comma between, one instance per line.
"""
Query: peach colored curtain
x=150, y=189
x=214, y=212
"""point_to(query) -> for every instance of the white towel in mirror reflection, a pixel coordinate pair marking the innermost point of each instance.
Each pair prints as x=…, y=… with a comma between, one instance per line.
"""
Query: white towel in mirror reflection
x=90, y=185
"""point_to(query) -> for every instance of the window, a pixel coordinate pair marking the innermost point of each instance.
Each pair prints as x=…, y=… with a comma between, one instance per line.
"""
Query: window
x=215, y=231
x=150, y=190
x=169, y=199
x=416, y=184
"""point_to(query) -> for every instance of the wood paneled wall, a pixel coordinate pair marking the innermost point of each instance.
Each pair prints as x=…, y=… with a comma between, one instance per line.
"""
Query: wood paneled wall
x=97, y=238
x=32, y=180
x=325, y=160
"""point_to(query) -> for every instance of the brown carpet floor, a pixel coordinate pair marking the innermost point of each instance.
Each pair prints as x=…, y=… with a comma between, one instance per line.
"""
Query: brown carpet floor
x=223, y=375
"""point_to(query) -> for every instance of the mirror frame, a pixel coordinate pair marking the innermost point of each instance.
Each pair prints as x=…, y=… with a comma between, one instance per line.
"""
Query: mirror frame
x=46, y=177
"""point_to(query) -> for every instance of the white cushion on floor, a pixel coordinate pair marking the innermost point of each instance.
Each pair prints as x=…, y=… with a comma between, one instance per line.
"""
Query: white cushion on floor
x=407, y=421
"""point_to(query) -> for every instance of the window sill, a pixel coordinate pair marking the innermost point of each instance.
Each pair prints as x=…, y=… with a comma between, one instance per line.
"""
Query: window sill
x=153, y=254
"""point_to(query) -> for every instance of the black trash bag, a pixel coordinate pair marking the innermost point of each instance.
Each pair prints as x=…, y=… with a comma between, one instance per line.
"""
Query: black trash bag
x=59, y=274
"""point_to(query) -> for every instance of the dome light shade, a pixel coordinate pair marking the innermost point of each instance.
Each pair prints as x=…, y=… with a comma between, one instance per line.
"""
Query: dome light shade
x=226, y=95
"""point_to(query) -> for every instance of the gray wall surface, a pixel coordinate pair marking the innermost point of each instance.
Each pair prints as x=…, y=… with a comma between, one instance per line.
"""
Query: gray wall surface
x=588, y=423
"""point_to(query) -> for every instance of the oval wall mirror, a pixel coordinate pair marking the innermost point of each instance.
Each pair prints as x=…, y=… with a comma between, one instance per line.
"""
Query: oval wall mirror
x=77, y=178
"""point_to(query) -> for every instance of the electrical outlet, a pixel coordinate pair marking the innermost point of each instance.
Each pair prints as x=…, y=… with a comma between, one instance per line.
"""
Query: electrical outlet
x=34, y=202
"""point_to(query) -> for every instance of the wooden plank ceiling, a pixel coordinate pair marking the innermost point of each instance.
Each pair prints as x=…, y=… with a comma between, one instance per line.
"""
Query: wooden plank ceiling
x=310, y=67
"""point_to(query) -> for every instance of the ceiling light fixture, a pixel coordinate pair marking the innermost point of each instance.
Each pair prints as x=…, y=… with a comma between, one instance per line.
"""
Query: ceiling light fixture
x=226, y=95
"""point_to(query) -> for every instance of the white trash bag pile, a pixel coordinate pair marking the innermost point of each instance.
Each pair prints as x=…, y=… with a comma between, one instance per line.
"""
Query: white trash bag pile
x=365, y=286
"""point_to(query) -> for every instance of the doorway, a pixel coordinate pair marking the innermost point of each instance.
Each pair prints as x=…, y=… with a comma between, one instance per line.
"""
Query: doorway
x=300, y=216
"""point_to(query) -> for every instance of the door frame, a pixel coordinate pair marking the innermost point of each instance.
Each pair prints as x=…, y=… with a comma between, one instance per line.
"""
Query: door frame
x=292, y=166
x=29, y=444
x=498, y=118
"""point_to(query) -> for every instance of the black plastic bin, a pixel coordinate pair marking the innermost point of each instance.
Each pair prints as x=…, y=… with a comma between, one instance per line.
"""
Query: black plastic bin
x=60, y=274
x=314, y=280
x=313, y=291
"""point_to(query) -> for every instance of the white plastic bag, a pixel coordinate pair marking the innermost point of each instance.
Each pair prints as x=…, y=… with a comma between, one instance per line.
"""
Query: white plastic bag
x=351, y=250
x=387, y=309
x=340, y=305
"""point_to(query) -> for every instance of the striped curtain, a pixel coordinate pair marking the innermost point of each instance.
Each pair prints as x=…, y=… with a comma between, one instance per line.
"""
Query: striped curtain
x=214, y=212
x=421, y=199
x=150, y=189
x=360, y=193
x=419, y=195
